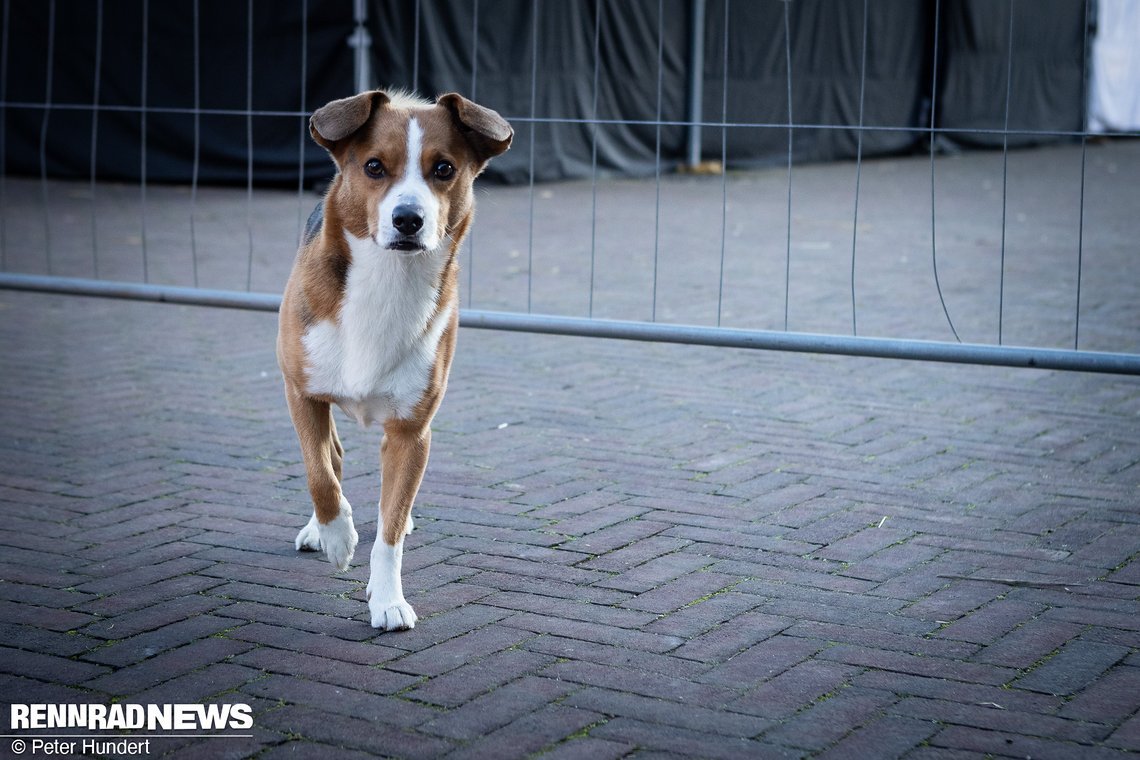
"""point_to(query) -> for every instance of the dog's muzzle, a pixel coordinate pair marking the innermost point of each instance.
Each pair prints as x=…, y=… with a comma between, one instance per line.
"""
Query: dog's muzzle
x=407, y=220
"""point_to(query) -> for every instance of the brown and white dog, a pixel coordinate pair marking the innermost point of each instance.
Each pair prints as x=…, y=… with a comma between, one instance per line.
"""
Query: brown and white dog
x=370, y=312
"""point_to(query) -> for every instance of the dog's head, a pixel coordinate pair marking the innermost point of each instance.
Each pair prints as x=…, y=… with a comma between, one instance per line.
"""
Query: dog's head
x=406, y=165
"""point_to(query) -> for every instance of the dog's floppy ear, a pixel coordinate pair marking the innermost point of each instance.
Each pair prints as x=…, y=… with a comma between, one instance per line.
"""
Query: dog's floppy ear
x=340, y=118
x=487, y=132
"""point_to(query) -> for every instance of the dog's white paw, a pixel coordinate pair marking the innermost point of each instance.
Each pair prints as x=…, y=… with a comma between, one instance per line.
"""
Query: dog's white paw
x=411, y=526
x=395, y=617
x=309, y=537
x=386, y=603
x=338, y=537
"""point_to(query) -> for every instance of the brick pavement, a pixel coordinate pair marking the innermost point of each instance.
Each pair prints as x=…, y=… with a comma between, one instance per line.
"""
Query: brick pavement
x=621, y=550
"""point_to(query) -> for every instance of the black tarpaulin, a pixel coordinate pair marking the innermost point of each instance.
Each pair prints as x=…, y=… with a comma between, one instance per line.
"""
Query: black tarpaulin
x=587, y=84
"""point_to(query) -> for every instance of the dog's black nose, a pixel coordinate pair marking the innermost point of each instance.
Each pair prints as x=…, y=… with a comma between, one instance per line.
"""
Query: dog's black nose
x=407, y=219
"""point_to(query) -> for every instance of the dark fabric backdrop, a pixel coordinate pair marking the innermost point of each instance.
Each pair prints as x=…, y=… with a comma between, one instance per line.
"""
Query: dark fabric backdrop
x=640, y=70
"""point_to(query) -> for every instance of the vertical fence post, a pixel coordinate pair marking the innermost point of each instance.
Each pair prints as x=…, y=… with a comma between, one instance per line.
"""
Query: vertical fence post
x=696, y=79
x=361, y=43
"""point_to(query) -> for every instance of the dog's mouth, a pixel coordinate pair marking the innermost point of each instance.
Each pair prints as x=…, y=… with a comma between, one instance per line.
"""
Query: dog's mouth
x=406, y=245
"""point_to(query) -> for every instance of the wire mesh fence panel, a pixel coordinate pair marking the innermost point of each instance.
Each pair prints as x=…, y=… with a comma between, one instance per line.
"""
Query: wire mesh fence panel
x=815, y=179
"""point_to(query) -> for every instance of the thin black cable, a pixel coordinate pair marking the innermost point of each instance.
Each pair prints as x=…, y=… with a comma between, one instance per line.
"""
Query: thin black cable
x=197, y=143
x=249, y=143
x=657, y=155
x=788, y=249
x=1084, y=150
x=49, y=74
x=474, y=83
x=594, y=157
x=416, y=49
x=533, y=111
x=723, y=169
x=4, y=137
x=26, y=105
x=933, y=231
x=303, y=132
x=142, y=140
x=95, y=135
x=1005, y=173
x=858, y=167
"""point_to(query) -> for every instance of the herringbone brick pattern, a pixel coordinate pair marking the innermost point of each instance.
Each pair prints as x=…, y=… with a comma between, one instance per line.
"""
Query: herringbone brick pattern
x=620, y=550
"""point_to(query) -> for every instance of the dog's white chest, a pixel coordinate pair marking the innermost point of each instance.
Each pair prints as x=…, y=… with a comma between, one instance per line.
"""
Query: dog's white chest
x=375, y=361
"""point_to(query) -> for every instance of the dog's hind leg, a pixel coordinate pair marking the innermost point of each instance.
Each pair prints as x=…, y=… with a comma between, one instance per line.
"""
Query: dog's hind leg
x=330, y=528
x=403, y=459
x=337, y=451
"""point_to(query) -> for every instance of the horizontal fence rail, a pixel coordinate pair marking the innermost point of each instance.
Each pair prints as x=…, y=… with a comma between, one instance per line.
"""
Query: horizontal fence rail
x=709, y=209
x=549, y=324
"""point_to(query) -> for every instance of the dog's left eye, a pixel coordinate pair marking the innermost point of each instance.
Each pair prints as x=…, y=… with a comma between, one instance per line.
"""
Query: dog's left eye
x=444, y=170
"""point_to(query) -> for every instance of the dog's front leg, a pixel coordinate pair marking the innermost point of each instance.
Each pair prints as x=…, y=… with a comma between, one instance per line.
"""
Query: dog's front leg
x=403, y=458
x=330, y=528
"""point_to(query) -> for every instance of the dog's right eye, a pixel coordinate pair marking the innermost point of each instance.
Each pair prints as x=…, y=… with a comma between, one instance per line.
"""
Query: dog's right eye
x=373, y=168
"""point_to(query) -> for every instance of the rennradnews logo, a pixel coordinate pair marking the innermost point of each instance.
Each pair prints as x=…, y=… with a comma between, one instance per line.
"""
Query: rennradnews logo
x=95, y=717
x=190, y=718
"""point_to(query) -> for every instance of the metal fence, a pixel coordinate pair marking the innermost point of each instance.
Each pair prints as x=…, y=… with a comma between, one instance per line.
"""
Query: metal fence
x=1011, y=257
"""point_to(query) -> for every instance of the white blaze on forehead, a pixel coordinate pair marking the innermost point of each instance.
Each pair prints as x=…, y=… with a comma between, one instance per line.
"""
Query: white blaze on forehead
x=411, y=189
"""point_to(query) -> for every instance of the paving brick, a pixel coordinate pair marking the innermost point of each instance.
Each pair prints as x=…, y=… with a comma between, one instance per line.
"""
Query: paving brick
x=1127, y=736
x=794, y=689
x=891, y=561
x=982, y=742
x=596, y=749
x=529, y=568
x=302, y=620
x=915, y=665
x=155, y=597
x=1026, y=645
x=828, y=720
x=847, y=634
x=612, y=526
x=681, y=592
x=1115, y=696
x=317, y=644
x=987, y=624
x=646, y=684
x=544, y=587
x=497, y=708
x=726, y=640
x=458, y=651
x=468, y=681
x=654, y=571
x=163, y=667
x=954, y=601
x=137, y=648
x=762, y=661
x=40, y=640
x=530, y=734
x=887, y=737
x=340, y=700
x=935, y=687
x=609, y=654
x=681, y=742
x=213, y=681
x=592, y=631
x=642, y=552
x=363, y=733
x=1078, y=664
x=876, y=620
x=650, y=710
x=704, y=614
x=601, y=614
x=48, y=667
x=324, y=603
x=1010, y=721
